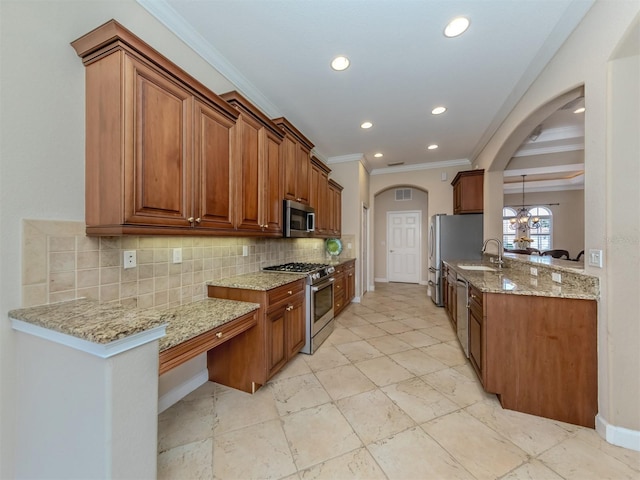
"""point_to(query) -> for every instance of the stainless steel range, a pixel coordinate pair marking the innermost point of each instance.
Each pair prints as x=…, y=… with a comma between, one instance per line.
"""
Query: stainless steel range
x=319, y=300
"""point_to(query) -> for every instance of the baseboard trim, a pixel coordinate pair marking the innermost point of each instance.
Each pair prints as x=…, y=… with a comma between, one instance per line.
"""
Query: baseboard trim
x=356, y=300
x=185, y=388
x=620, y=436
x=381, y=280
x=424, y=282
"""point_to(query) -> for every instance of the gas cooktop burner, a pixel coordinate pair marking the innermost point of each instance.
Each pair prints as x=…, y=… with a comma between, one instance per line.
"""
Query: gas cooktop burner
x=296, y=267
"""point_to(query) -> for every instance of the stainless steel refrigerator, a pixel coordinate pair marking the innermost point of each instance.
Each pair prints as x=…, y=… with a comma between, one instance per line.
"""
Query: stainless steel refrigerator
x=451, y=237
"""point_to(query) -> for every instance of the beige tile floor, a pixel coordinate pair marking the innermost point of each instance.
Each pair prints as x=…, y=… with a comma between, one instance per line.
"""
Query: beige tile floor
x=389, y=395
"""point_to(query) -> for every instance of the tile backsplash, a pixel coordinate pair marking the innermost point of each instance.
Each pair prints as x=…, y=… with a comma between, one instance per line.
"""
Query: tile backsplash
x=59, y=262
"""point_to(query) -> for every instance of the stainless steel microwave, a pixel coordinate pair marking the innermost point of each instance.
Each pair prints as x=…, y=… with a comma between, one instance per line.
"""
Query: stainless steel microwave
x=299, y=219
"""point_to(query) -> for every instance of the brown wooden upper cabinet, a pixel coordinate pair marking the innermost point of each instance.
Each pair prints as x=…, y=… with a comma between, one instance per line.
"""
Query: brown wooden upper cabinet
x=257, y=160
x=296, y=161
x=158, y=142
x=335, y=209
x=468, y=192
x=320, y=195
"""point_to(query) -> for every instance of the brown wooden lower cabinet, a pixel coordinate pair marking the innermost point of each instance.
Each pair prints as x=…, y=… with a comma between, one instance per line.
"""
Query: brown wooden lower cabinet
x=247, y=361
x=174, y=356
x=344, y=285
x=538, y=354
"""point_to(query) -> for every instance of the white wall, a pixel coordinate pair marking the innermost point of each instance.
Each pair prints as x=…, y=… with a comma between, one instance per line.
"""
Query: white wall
x=611, y=167
x=42, y=137
x=567, y=216
x=385, y=202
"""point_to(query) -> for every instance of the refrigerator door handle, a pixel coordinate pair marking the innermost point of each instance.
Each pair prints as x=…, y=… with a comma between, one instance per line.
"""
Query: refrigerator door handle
x=432, y=269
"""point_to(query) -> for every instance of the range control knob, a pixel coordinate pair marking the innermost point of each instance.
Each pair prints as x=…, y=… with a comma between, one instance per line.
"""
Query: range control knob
x=331, y=270
x=315, y=276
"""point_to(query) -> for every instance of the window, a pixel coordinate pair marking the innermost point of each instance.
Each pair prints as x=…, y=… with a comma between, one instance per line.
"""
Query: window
x=508, y=234
x=541, y=236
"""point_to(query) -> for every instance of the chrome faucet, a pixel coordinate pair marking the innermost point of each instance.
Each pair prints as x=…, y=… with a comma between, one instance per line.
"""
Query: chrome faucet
x=500, y=262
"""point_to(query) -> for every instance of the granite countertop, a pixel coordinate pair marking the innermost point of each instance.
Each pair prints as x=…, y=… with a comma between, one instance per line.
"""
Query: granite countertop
x=341, y=261
x=190, y=320
x=517, y=281
x=258, y=280
x=91, y=321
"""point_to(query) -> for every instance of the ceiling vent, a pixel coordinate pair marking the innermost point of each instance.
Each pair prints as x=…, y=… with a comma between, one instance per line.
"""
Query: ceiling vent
x=403, y=194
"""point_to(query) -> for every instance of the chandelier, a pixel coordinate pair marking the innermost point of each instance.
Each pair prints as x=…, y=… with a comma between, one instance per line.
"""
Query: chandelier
x=523, y=219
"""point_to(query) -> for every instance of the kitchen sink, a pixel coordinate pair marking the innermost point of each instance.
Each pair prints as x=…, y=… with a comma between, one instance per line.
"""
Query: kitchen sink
x=482, y=268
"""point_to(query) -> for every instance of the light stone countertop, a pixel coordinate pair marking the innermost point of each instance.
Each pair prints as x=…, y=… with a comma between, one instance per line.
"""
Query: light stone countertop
x=516, y=279
x=258, y=280
x=91, y=321
x=190, y=320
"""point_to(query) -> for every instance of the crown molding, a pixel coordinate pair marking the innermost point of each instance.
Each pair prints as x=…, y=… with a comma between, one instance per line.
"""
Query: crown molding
x=574, y=167
x=422, y=166
x=171, y=19
x=574, y=183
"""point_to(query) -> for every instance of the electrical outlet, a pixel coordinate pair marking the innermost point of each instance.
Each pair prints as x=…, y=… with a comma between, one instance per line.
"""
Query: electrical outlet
x=595, y=258
x=556, y=277
x=245, y=250
x=534, y=271
x=129, y=260
x=177, y=255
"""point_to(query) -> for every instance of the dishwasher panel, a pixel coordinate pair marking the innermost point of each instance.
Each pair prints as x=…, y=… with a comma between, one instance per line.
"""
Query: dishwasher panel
x=462, y=317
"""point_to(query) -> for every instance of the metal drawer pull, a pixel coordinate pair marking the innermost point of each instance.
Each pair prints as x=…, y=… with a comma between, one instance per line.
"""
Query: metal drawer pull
x=190, y=219
x=290, y=292
x=289, y=308
x=198, y=220
x=219, y=334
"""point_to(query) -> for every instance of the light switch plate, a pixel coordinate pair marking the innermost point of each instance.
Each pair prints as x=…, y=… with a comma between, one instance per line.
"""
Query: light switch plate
x=595, y=258
x=556, y=277
x=534, y=271
x=177, y=255
x=245, y=251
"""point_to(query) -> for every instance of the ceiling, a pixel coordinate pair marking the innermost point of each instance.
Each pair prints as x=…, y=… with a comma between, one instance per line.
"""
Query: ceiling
x=402, y=66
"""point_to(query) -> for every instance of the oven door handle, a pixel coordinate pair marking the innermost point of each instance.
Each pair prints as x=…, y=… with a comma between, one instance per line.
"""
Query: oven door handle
x=324, y=284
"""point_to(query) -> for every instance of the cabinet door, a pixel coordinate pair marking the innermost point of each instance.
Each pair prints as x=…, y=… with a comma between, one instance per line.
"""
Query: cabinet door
x=289, y=173
x=248, y=175
x=272, y=206
x=335, y=203
x=475, y=343
x=350, y=283
x=295, y=327
x=276, y=351
x=303, y=173
x=158, y=154
x=213, y=179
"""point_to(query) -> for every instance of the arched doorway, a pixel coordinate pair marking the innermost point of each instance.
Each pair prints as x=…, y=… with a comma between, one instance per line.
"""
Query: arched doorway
x=408, y=204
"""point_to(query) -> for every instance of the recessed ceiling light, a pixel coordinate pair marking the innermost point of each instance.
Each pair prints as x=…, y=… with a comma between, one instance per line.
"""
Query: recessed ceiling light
x=378, y=155
x=456, y=27
x=340, y=63
x=432, y=147
x=579, y=110
x=366, y=125
x=438, y=110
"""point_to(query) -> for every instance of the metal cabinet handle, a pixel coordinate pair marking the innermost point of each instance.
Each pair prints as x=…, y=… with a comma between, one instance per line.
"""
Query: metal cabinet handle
x=219, y=335
x=289, y=308
x=198, y=220
x=290, y=292
x=190, y=219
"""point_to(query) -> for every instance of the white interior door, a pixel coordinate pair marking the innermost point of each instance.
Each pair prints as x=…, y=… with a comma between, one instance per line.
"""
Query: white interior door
x=404, y=245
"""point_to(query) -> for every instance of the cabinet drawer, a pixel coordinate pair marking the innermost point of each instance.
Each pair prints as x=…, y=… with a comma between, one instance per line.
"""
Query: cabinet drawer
x=339, y=301
x=475, y=301
x=174, y=356
x=285, y=292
